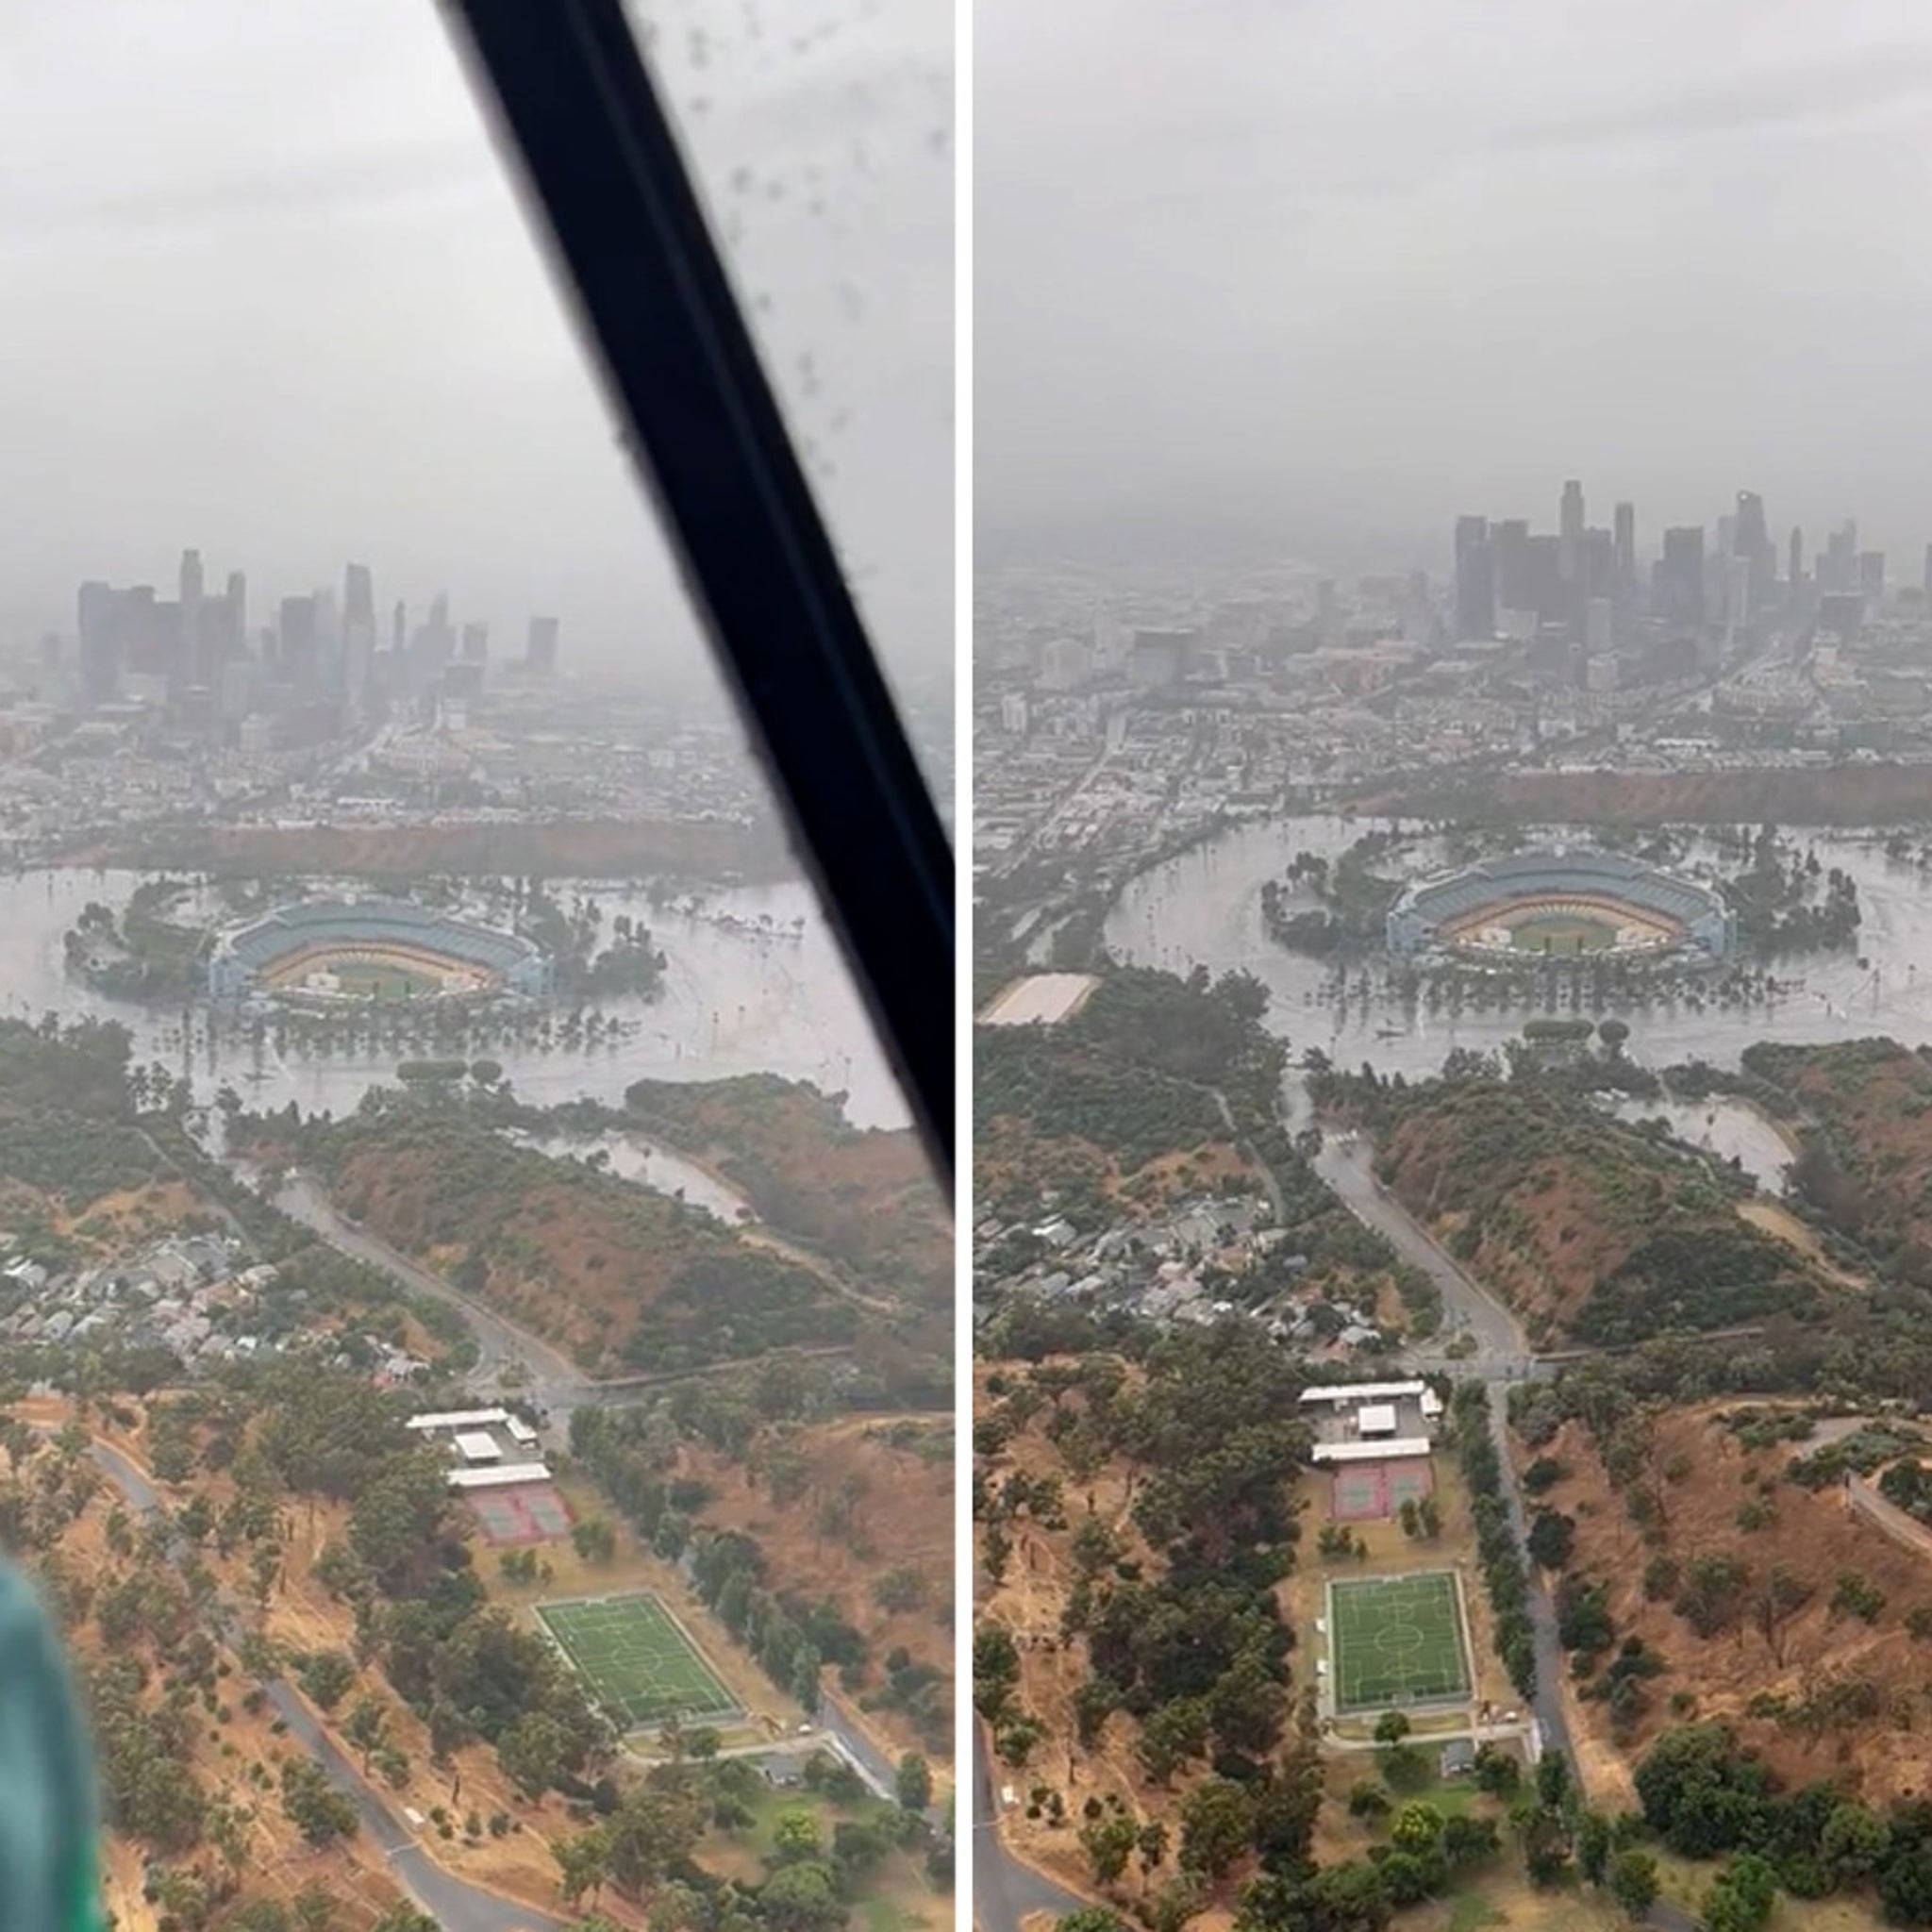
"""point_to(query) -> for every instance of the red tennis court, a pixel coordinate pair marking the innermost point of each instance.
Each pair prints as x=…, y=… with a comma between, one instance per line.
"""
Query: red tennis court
x=520, y=1513
x=1375, y=1491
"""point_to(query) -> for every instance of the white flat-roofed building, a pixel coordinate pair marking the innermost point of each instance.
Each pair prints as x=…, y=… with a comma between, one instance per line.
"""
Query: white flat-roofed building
x=475, y=1447
x=1397, y=1449
x=518, y=1430
x=1377, y=1420
x=1345, y=1392
x=459, y=1419
x=502, y=1477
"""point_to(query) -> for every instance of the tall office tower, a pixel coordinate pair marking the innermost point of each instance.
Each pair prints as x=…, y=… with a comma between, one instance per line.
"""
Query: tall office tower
x=539, y=649
x=1680, y=576
x=238, y=614
x=1599, y=627
x=475, y=643
x=300, y=644
x=1624, y=521
x=358, y=597
x=1569, y=530
x=191, y=668
x=99, y=628
x=1748, y=533
x=1872, y=573
x=1752, y=542
x=1797, y=565
x=1509, y=563
x=1476, y=580
x=1599, y=571
x=399, y=632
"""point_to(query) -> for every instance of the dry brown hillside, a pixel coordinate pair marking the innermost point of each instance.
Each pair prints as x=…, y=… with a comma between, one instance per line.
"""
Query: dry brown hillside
x=1591, y=1229
x=1817, y=1691
x=864, y=1499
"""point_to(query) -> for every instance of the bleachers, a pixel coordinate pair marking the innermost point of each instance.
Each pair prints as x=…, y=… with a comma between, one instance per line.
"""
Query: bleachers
x=1433, y=909
x=318, y=926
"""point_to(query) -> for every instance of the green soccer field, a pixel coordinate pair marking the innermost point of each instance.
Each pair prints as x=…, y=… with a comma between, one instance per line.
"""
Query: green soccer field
x=1397, y=1641
x=640, y=1665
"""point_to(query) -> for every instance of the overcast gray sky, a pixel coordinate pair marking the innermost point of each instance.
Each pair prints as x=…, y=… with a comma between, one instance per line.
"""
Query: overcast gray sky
x=265, y=289
x=1308, y=268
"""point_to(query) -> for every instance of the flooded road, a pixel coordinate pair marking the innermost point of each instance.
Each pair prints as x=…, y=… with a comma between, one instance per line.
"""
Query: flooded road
x=754, y=983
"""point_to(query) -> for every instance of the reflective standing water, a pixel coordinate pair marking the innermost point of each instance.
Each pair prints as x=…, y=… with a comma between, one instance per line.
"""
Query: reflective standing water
x=739, y=996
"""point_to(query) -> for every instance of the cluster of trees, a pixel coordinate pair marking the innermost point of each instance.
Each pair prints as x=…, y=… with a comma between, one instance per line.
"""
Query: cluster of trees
x=427, y=1175
x=1186, y=1654
x=629, y=965
x=141, y=955
x=1707, y=1797
x=1355, y=901
x=1786, y=902
x=1670, y=1252
x=863, y=1197
x=633, y=1455
x=1506, y=1580
x=644, y=1847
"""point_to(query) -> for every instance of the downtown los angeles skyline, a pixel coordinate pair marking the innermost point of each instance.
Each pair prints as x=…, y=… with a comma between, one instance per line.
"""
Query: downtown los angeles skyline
x=281, y=303
x=1318, y=278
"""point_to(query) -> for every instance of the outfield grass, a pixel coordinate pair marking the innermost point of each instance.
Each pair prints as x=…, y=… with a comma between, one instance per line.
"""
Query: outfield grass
x=1397, y=1641
x=1564, y=934
x=640, y=1665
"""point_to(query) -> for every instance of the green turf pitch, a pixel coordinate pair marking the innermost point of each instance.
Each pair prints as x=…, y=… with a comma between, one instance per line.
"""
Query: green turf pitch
x=1562, y=934
x=640, y=1666
x=370, y=981
x=1397, y=1641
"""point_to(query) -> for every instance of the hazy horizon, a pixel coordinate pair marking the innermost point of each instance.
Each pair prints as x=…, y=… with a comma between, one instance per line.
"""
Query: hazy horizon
x=271, y=296
x=1328, y=274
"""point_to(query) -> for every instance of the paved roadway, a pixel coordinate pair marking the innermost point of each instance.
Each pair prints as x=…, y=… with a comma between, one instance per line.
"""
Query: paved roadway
x=1004, y=1891
x=455, y=1905
x=1347, y=1163
x=549, y=1379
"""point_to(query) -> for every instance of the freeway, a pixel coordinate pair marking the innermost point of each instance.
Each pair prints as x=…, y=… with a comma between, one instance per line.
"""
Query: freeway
x=456, y=1906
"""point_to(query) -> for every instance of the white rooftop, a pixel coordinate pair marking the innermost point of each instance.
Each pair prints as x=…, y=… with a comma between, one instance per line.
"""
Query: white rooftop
x=1039, y=999
x=460, y=1418
x=474, y=1447
x=1374, y=1418
x=1365, y=1391
x=1396, y=1449
x=500, y=1478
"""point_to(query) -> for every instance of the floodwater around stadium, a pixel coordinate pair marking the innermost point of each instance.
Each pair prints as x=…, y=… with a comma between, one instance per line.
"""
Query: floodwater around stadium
x=754, y=982
x=1205, y=907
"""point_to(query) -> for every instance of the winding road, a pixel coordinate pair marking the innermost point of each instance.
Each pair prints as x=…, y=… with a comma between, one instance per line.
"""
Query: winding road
x=1005, y=1890
x=454, y=1905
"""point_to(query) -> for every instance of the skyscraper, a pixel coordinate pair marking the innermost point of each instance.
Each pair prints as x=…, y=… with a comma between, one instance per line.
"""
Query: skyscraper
x=190, y=669
x=539, y=651
x=1872, y=573
x=1680, y=576
x=1476, y=580
x=1569, y=530
x=1509, y=564
x=1624, y=522
x=1797, y=565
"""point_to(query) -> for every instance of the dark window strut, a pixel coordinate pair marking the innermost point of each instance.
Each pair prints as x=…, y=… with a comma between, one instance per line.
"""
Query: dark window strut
x=602, y=165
